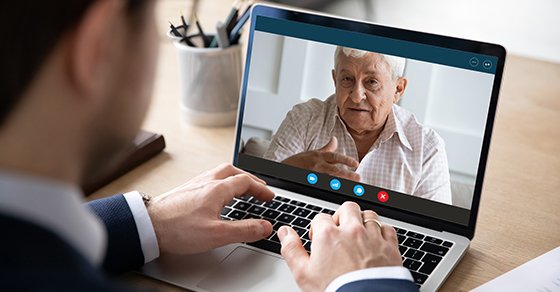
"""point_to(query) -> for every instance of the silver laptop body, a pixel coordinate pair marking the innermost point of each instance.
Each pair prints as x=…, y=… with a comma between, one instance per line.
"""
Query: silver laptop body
x=290, y=49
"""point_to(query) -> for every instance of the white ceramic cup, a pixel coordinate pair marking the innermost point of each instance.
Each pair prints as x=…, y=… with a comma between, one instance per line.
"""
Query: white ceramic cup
x=210, y=82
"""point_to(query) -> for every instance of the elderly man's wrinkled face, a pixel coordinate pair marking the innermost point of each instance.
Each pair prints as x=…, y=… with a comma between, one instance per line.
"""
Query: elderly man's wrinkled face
x=365, y=91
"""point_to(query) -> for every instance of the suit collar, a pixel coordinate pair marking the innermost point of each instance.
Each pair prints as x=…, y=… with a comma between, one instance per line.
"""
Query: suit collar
x=57, y=207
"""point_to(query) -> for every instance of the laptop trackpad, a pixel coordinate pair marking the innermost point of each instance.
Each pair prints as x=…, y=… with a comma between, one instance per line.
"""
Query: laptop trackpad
x=249, y=270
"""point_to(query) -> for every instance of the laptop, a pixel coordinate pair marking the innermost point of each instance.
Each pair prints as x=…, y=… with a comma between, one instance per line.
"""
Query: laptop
x=452, y=92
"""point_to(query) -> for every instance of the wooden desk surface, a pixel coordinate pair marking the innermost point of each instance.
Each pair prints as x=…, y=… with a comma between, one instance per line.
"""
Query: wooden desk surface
x=519, y=216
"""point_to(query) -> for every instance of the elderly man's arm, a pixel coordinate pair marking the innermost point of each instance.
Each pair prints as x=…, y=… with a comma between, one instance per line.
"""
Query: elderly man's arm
x=435, y=183
x=289, y=146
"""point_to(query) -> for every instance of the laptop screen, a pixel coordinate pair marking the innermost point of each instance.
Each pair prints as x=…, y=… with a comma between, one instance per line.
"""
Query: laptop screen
x=394, y=118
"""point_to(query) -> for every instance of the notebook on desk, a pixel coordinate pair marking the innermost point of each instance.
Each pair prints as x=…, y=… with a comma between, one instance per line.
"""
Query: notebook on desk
x=424, y=177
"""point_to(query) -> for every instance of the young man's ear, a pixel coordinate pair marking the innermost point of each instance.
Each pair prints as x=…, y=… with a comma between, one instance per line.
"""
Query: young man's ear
x=399, y=89
x=90, y=45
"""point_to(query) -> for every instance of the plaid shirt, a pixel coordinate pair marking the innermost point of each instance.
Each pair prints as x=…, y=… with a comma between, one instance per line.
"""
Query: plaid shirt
x=406, y=157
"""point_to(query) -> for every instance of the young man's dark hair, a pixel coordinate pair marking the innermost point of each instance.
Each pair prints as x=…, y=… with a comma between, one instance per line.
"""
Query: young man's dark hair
x=29, y=32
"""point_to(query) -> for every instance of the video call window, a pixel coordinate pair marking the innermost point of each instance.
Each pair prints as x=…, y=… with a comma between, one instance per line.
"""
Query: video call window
x=399, y=124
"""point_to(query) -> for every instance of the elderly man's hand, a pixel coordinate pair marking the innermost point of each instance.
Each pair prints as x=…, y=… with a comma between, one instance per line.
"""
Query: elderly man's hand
x=187, y=219
x=340, y=244
x=326, y=160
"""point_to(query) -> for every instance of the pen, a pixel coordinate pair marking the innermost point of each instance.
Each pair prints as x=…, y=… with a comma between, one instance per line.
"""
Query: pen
x=232, y=16
x=174, y=30
x=205, y=40
x=185, y=25
x=236, y=31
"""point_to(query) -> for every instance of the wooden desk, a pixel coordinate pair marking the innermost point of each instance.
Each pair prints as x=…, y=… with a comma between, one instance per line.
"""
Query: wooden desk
x=519, y=213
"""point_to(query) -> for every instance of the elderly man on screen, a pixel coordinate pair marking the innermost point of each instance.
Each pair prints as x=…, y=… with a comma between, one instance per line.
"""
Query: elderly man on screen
x=360, y=133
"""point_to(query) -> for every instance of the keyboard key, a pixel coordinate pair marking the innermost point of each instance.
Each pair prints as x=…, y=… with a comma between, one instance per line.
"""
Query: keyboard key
x=414, y=254
x=281, y=199
x=312, y=215
x=277, y=226
x=252, y=216
x=286, y=208
x=256, y=210
x=301, y=212
x=298, y=203
x=272, y=204
x=411, y=264
x=272, y=214
x=306, y=236
x=400, y=231
x=245, y=198
x=267, y=245
x=415, y=235
x=419, y=278
x=286, y=218
x=402, y=249
x=274, y=237
x=231, y=203
x=307, y=246
x=301, y=222
x=401, y=238
x=411, y=242
x=299, y=231
x=433, y=240
x=314, y=208
x=430, y=258
x=327, y=211
x=242, y=206
x=236, y=214
x=447, y=244
x=427, y=268
x=255, y=201
x=225, y=211
x=435, y=249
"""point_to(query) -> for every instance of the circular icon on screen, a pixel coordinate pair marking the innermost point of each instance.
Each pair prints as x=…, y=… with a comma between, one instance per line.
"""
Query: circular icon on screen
x=474, y=61
x=335, y=184
x=382, y=196
x=359, y=190
x=312, y=178
x=487, y=64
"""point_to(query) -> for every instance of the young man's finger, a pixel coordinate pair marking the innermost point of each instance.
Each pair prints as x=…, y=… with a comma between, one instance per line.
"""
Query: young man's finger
x=247, y=230
x=292, y=250
x=241, y=184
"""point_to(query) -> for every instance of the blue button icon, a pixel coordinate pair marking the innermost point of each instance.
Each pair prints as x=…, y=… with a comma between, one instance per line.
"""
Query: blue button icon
x=312, y=178
x=359, y=190
x=335, y=184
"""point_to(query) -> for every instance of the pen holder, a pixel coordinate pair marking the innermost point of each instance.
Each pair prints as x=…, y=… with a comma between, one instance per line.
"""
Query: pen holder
x=210, y=83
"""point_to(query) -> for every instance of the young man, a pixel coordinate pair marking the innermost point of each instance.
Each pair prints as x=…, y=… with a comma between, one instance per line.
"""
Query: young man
x=76, y=82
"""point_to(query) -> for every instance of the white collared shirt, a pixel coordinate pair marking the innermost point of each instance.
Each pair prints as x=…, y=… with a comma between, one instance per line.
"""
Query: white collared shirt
x=407, y=157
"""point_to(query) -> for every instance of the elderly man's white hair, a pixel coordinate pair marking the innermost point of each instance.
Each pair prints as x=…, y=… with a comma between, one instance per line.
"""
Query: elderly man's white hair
x=396, y=64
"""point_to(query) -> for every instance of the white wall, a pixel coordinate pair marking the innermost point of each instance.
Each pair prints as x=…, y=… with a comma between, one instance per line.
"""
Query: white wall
x=524, y=27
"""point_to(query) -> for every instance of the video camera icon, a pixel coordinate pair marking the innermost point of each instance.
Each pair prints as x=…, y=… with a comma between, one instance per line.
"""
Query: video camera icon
x=312, y=178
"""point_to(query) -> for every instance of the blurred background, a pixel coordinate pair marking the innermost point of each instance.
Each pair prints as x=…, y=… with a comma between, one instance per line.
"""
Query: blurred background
x=525, y=27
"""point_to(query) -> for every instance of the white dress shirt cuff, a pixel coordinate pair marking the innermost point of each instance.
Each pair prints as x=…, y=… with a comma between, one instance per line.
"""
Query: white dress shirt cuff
x=398, y=273
x=146, y=232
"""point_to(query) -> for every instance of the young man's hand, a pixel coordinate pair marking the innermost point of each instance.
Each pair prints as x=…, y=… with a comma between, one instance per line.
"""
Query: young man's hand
x=187, y=219
x=340, y=244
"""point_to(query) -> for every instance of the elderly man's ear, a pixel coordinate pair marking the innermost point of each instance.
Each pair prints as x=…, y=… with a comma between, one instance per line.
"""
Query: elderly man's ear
x=399, y=89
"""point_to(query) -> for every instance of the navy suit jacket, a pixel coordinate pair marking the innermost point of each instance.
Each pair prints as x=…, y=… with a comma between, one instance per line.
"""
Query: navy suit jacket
x=34, y=258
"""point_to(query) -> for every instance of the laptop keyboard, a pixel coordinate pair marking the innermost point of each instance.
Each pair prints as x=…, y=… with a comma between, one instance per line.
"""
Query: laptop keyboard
x=420, y=253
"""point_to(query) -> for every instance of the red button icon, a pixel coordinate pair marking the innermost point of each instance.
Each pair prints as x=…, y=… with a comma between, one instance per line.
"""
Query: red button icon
x=382, y=196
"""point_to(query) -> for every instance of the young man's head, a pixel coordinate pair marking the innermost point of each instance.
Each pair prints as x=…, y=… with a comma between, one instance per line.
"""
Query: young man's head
x=76, y=80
